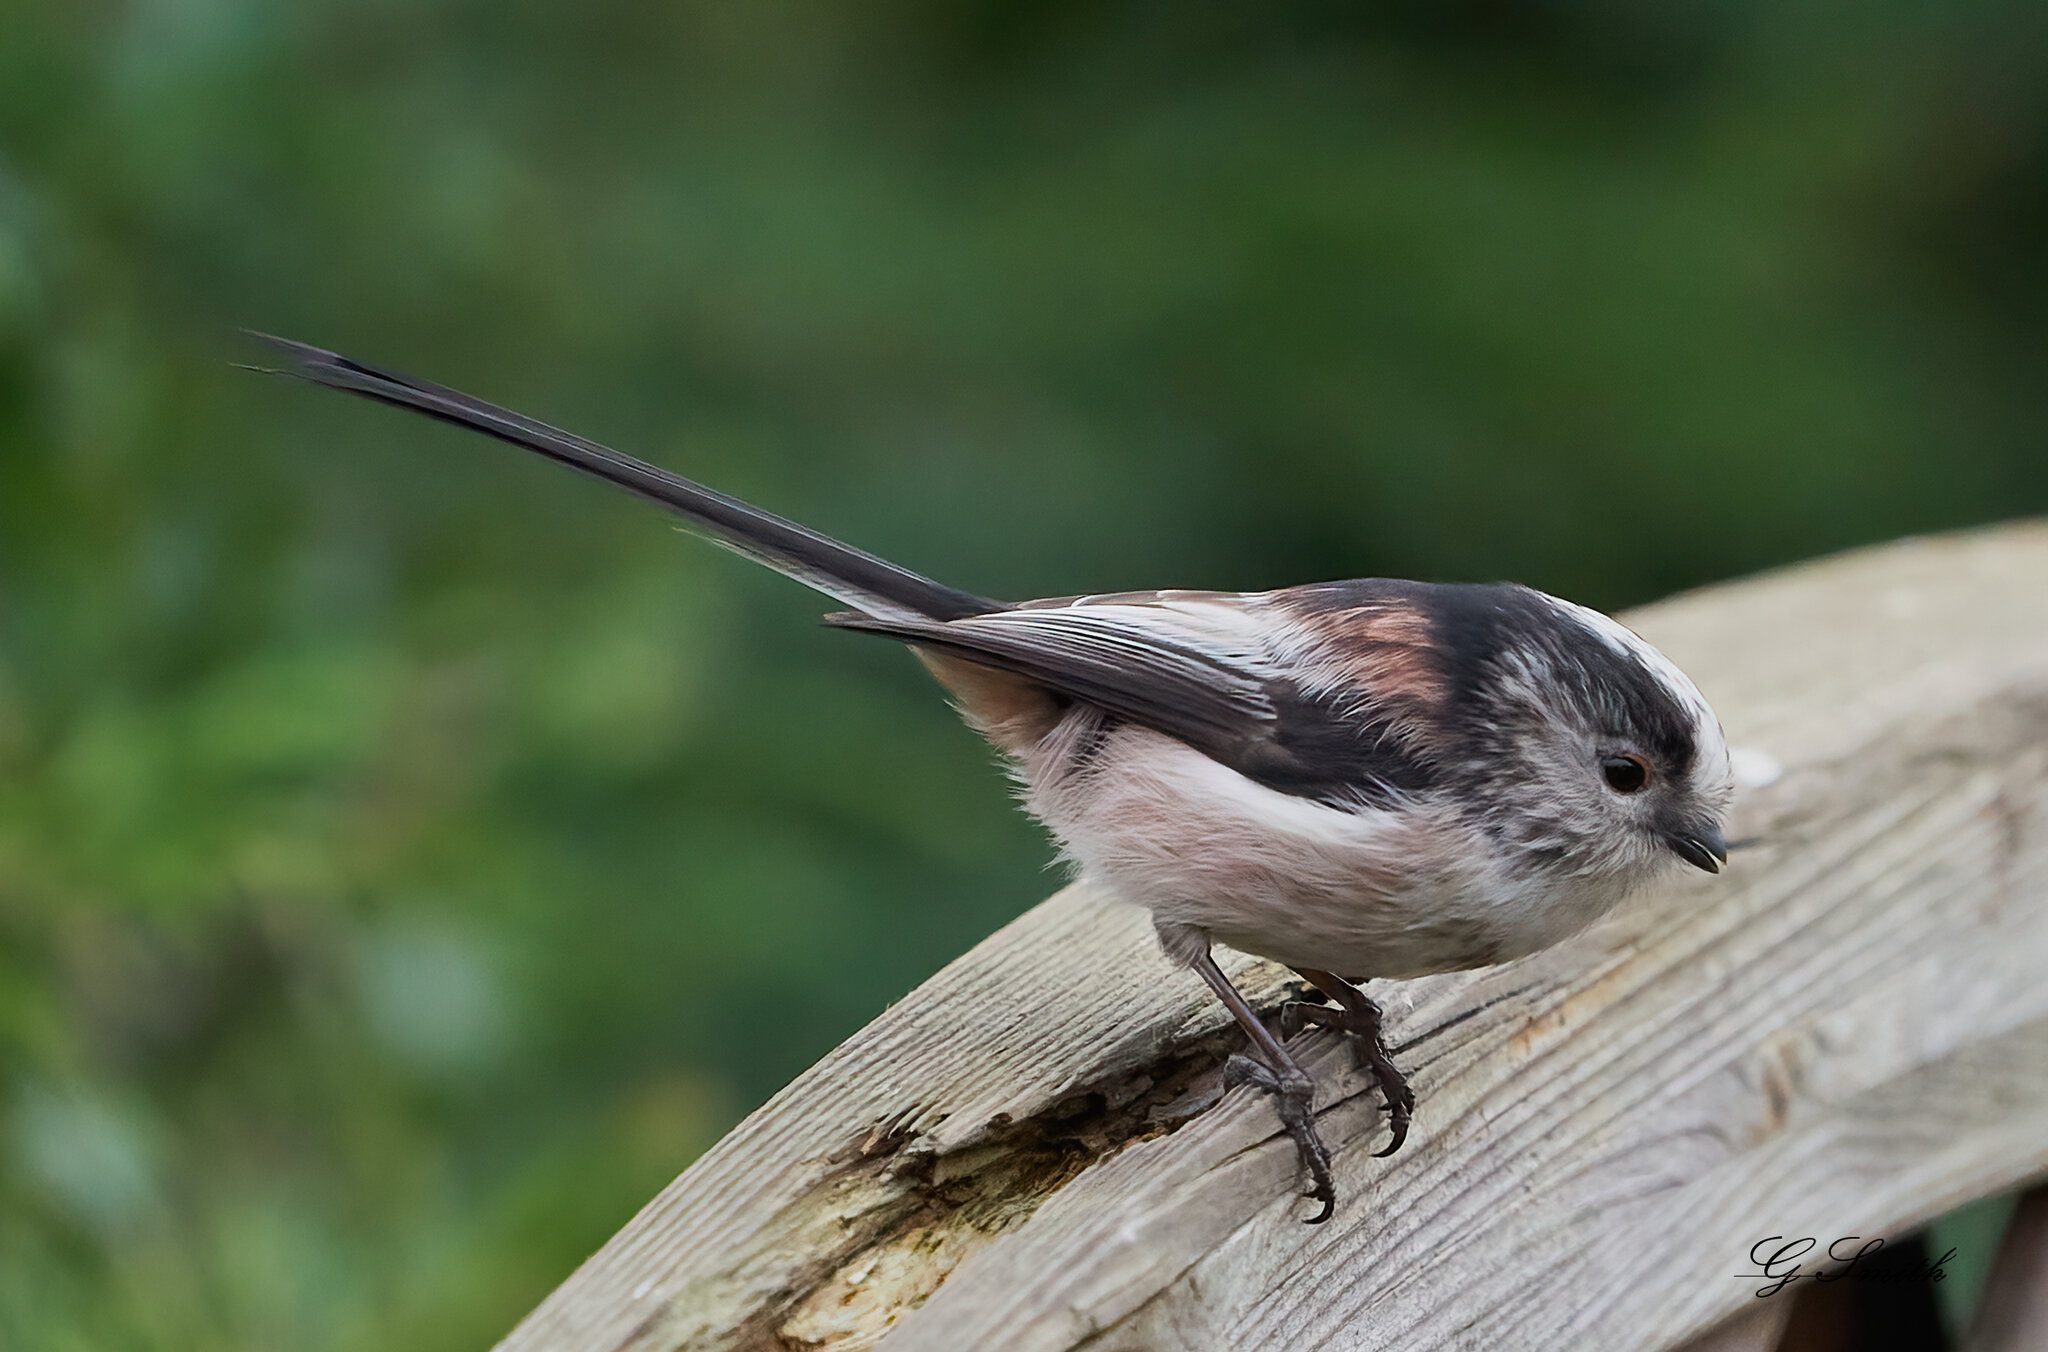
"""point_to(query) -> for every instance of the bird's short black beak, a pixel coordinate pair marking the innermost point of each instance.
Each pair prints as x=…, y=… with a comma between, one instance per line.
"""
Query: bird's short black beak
x=1700, y=846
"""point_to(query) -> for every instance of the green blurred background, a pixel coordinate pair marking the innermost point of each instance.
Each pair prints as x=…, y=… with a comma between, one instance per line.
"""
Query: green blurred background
x=410, y=857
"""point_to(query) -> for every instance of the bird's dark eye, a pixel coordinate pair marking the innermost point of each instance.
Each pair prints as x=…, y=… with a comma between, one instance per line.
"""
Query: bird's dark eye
x=1626, y=774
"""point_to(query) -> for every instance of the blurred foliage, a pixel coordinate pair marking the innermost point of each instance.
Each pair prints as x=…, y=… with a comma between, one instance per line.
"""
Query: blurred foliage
x=410, y=857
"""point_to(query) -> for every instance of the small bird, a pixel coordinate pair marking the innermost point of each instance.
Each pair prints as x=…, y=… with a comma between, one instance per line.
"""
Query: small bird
x=1373, y=778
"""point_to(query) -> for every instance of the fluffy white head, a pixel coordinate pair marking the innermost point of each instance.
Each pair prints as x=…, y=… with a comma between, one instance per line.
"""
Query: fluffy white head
x=1607, y=758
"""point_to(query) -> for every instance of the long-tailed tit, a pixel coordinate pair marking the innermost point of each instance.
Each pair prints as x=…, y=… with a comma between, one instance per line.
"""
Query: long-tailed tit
x=1358, y=779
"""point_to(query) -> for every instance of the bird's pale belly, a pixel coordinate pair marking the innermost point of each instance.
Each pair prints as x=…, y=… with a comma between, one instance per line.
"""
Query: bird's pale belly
x=1367, y=893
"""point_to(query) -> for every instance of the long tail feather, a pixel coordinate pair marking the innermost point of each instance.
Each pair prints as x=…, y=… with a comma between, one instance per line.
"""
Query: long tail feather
x=855, y=577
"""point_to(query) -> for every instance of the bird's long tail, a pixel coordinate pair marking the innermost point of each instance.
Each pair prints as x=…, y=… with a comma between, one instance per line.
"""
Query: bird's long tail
x=855, y=577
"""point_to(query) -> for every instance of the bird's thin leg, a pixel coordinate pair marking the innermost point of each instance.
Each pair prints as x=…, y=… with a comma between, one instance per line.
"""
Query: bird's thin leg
x=1358, y=1018
x=1275, y=1072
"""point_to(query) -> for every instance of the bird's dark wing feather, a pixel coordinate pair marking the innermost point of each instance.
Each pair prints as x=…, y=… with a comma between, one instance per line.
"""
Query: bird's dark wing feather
x=1151, y=679
x=1201, y=667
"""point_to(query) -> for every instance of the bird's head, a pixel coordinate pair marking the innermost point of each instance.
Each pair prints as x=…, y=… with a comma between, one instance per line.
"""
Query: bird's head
x=1588, y=750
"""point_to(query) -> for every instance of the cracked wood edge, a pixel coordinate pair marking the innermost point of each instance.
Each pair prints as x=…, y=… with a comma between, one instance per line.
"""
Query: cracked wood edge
x=1844, y=1033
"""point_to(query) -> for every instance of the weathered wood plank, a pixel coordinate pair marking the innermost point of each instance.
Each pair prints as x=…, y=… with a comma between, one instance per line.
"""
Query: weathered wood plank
x=1846, y=1033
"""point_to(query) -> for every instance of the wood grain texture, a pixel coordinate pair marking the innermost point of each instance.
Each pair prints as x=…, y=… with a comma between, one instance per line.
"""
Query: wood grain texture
x=1846, y=1033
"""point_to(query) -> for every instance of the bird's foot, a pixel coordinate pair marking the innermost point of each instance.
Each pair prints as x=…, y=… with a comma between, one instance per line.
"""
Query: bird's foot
x=1359, y=1023
x=1294, y=1099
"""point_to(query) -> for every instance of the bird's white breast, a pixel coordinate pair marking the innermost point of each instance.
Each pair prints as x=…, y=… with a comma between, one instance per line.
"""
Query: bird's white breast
x=1366, y=892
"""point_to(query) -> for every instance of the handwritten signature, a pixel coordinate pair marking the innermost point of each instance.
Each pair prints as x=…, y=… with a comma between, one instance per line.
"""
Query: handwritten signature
x=1779, y=1263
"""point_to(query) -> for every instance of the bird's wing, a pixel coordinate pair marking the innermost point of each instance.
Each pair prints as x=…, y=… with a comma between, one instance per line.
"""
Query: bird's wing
x=1325, y=692
x=1152, y=665
x=1200, y=667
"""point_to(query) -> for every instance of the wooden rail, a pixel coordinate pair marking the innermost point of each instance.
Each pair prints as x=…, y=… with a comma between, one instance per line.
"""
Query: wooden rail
x=1846, y=1033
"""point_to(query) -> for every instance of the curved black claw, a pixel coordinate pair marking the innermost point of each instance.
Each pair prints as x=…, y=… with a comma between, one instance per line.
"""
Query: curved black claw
x=1360, y=1026
x=1294, y=1099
